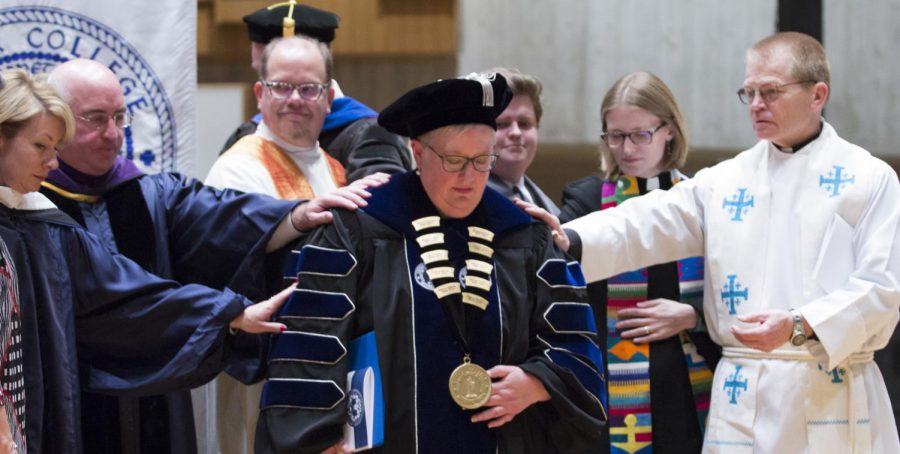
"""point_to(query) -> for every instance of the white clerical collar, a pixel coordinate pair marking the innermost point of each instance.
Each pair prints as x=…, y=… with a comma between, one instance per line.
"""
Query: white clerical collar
x=803, y=144
x=780, y=154
x=301, y=152
x=31, y=201
x=787, y=152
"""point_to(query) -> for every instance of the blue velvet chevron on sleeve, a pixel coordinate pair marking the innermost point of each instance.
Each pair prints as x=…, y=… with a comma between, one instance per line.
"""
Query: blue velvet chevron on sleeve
x=320, y=261
x=315, y=304
x=558, y=273
x=570, y=340
x=571, y=318
x=301, y=393
x=308, y=347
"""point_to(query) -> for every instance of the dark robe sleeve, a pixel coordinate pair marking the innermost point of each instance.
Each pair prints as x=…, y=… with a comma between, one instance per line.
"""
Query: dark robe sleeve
x=339, y=142
x=888, y=360
x=260, y=275
x=580, y=197
x=563, y=352
x=303, y=405
x=212, y=231
x=138, y=333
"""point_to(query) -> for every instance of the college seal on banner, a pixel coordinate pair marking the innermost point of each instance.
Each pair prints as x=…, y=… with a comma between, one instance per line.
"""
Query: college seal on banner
x=37, y=38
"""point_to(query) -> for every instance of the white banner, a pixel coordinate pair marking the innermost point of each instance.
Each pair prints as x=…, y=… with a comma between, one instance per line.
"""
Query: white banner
x=150, y=46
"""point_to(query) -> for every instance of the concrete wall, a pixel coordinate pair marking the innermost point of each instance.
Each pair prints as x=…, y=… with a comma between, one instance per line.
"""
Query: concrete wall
x=861, y=39
x=578, y=48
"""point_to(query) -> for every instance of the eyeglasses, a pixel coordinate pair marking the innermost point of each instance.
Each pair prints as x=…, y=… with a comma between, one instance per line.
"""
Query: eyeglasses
x=284, y=90
x=768, y=92
x=451, y=163
x=617, y=139
x=99, y=120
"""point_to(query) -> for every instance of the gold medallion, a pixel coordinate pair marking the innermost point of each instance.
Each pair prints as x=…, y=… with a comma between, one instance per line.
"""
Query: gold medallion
x=470, y=385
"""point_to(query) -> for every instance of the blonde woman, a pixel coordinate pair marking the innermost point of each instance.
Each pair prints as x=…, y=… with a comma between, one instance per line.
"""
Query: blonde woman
x=72, y=314
x=652, y=316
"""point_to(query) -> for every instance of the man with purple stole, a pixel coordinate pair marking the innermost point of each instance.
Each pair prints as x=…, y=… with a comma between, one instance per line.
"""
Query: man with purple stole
x=76, y=316
x=484, y=337
x=172, y=226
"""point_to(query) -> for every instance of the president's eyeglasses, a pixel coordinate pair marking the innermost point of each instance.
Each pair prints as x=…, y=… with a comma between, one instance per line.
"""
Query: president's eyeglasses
x=452, y=163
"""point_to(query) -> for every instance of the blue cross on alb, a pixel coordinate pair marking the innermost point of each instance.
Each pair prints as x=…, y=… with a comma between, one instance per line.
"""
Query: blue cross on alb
x=147, y=157
x=734, y=385
x=835, y=179
x=738, y=204
x=835, y=373
x=732, y=293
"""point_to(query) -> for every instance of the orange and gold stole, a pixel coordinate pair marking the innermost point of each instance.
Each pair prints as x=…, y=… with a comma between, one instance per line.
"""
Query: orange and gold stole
x=290, y=182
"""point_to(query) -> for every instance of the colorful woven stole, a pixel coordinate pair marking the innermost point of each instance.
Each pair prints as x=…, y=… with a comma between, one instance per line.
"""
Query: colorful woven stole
x=630, y=424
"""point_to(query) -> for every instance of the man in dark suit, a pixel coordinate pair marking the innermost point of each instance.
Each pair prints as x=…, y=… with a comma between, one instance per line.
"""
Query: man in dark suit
x=517, y=139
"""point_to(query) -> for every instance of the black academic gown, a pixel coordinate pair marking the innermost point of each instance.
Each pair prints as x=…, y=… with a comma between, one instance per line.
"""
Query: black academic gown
x=675, y=423
x=378, y=150
x=888, y=360
x=98, y=321
x=176, y=228
x=537, y=319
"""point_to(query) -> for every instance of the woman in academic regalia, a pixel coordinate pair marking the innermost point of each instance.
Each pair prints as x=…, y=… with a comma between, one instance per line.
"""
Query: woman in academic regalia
x=484, y=340
x=72, y=314
x=651, y=318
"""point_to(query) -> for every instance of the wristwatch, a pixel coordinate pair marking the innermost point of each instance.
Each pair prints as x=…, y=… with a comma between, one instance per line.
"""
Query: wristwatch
x=798, y=334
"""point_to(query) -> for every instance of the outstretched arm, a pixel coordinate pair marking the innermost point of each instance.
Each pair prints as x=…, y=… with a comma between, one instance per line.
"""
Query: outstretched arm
x=658, y=227
x=316, y=212
x=309, y=215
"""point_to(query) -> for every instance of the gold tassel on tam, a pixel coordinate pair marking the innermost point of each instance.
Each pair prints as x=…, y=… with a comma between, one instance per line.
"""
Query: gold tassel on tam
x=288, y=22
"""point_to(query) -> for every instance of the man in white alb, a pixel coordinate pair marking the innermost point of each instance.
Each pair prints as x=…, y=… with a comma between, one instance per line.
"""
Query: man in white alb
x=800, y=235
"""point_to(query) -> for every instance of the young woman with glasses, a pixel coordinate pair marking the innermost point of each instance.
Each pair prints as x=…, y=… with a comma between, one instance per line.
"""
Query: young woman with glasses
x=652, y=317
